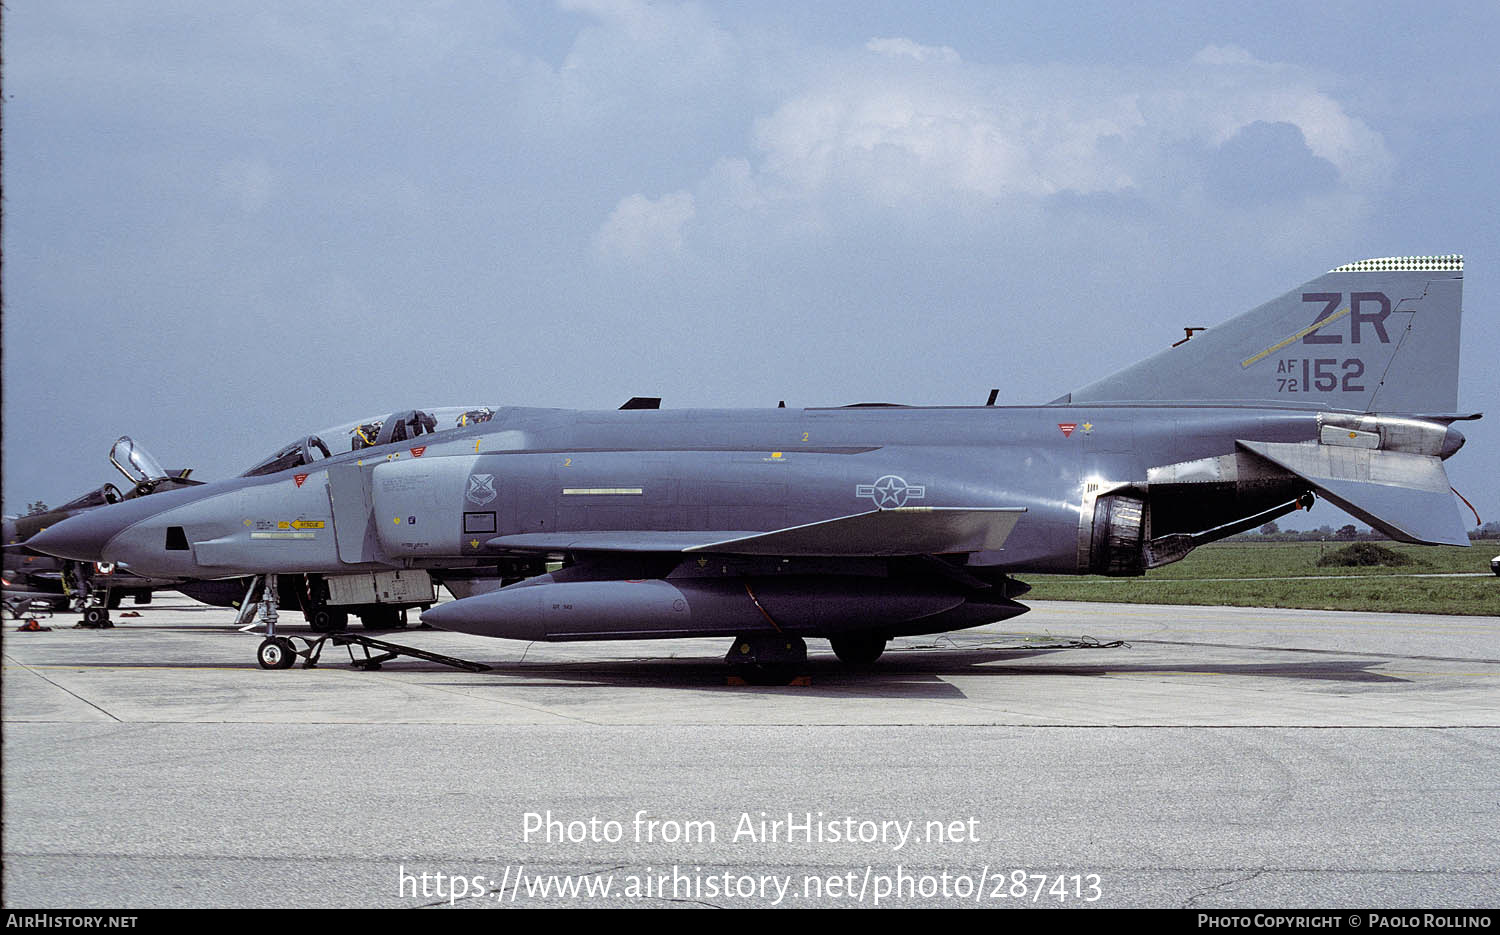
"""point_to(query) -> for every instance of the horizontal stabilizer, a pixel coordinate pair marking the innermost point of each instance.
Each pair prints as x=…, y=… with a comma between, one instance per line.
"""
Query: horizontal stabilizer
x=1404, y=495
x=902, y=531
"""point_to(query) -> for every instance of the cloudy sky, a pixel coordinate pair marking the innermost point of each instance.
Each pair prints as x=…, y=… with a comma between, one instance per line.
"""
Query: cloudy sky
x=227, y=225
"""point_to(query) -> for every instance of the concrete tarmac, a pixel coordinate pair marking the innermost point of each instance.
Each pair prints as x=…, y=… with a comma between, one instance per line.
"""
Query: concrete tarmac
x=1222, y=758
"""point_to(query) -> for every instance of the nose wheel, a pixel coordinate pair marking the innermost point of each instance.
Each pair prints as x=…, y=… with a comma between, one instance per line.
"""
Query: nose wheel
x=96, y=618
x=276, y=652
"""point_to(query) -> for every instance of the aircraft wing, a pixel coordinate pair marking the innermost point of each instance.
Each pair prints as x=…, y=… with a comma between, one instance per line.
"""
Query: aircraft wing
x=900, y=531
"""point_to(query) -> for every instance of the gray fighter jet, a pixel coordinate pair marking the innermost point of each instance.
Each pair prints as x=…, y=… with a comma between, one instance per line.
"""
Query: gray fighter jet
x=31, y=578
x=854, y=524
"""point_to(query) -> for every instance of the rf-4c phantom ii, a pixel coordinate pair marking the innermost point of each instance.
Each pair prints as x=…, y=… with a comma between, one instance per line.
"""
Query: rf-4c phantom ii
x=855, y=524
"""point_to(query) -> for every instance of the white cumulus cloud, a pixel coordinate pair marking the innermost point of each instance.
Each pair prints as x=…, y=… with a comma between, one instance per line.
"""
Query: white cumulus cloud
x=895, y=132
x=639, y=228
x=905, y=47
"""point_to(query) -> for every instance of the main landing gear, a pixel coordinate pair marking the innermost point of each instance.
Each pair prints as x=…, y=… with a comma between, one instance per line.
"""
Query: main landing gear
x=777, y=658
x=325, y=619
x=767, y=658
x=858, y=649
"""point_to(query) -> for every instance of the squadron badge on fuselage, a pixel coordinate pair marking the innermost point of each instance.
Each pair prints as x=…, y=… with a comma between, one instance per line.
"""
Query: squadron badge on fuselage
x=481, y=489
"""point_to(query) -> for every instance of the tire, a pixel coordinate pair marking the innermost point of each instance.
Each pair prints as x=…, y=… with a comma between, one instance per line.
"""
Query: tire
x=327, y=620
x=858, y=649
x=380, y=617
x=96, y=617
x=276, y=653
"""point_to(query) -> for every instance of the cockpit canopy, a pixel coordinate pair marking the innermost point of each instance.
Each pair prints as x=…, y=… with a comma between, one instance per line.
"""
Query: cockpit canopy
x=401, y=426
x=109, y=493
x=135, y=462
x=145, y=473
x=300, y=452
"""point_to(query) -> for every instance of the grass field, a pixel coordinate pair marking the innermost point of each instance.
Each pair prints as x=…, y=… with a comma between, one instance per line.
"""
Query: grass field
x=1286, y=574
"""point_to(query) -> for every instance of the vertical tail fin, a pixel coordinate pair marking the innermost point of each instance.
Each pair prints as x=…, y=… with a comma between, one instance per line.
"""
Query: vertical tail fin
x=1378, y=335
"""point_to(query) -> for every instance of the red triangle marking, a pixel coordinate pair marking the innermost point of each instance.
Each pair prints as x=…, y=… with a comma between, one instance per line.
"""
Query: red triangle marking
x=1067, y=428
x=299, y=478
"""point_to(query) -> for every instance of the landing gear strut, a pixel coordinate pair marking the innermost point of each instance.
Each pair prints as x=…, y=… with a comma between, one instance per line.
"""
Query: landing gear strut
x=275, y=652
x=85, y=598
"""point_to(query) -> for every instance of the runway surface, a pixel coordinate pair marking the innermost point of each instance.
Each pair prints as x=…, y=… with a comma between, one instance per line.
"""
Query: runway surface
x=1225, y=757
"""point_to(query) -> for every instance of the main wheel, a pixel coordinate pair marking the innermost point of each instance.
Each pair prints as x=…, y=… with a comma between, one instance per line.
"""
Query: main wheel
x=276, y=653
x=767, y=658
x=327, y=620
x=380, y=617
x=858, y=649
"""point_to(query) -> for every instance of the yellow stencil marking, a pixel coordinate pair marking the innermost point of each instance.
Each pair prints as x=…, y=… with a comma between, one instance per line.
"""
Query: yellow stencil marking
x=1296, y=337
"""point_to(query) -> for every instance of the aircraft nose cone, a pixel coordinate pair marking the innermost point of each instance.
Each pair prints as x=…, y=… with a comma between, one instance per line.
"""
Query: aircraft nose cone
x=81, y=538
x=451, y=616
